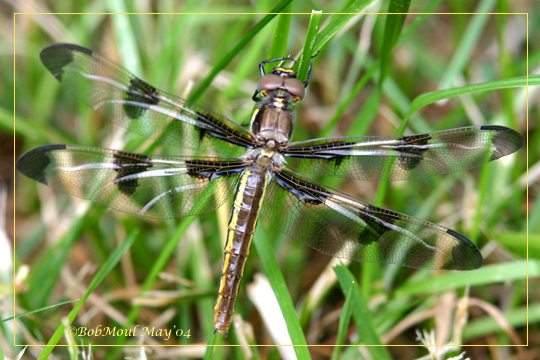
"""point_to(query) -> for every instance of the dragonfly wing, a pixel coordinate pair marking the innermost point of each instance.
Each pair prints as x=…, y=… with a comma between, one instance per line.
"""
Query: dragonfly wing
x=160, y=187
x=133, y=104
x=388, y=158
x=339, y=225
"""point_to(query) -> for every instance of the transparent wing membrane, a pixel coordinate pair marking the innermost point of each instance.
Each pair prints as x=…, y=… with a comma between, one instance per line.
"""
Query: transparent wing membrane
x=161, y=187
x=384, y=158
x=339, y=225
x=133, y=104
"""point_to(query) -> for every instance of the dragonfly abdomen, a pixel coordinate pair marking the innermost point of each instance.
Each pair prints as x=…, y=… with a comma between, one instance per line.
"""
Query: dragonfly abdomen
x=242, y=224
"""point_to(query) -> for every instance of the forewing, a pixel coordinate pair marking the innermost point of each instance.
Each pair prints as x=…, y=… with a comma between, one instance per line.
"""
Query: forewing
x=137, y=106
x=159, y=187
x=339, y=225
x=404, y=157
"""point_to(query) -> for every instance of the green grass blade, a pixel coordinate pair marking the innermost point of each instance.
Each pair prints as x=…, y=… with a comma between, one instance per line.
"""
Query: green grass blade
x=347, y=101
x=362, y=315
x=307, y=53
x=367, y=76
x=534, y=216
x=365, y=118
x=418, y=19
x=517, y=243
x=275, y=276
x=127, y=41
x=480, y=203
x=245, y=65
x=392, y=29
x=39, y=310
x=231, y=54
x=278, y=46
x=344, y=320
x=489, y=274
x=434, y=96
x=468, y=43
x=210, y=348
x=339, y=21
x=111, y=262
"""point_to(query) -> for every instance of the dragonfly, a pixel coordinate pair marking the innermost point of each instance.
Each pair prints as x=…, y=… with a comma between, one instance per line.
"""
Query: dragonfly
x=261, y=167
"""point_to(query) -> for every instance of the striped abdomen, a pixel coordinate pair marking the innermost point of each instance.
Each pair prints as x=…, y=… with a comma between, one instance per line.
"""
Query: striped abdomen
x=244, y=215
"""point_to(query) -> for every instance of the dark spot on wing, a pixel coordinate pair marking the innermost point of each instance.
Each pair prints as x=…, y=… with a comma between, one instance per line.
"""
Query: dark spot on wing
x=505, y=141
x=411, y=154
x=464, y=255
x=34, y=163
x=301, y=193
x=493, y=127
x=212, y=125
x=51, y=147
x=338, y=159
x=212, y=170
x=129, y=164
x=142, y=93
x=461, y=237
x=58, y=56
x=375, y=228
x=209, y=121
x=202, y=132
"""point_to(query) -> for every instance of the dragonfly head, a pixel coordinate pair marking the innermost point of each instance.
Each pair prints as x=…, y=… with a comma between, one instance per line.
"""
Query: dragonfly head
x=282, y=79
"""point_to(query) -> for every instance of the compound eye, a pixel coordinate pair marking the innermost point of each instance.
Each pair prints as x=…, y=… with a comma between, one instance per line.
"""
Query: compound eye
x=295, y=87
x=270, y=82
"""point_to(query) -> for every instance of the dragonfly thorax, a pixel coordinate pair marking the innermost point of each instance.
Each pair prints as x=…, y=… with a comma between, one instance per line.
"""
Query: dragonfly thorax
x=264, y=158
x=271, y=123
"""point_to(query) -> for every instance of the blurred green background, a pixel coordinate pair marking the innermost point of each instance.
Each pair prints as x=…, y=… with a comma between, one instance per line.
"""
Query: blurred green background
x=62, y=241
